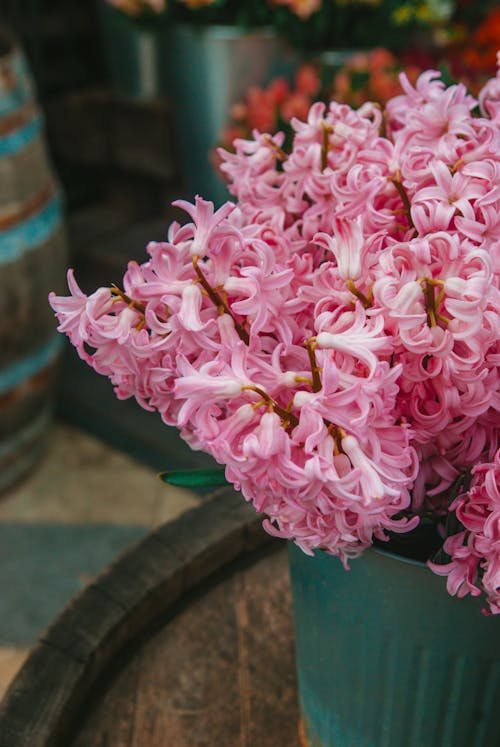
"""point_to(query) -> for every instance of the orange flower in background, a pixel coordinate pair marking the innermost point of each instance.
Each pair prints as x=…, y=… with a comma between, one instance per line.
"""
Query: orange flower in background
x=369, y=76
x=307, y=80
x=366, y=76
x=136, y=7
x=480, y=52
x=194, y=4
x=269, y=109
x=297, y=105
x=342, y=84
x=278, y=90
x=381, y=57
x=262, y=105
x=261, y=109
x=302, y=8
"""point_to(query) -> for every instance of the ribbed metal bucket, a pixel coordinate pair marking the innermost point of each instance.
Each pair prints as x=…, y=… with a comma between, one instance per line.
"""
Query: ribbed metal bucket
x=211, y=68
x=386, y=658
x=32, y=262
x=135, y=55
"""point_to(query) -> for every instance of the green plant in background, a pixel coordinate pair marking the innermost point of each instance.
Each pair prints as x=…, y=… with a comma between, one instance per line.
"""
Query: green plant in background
x=362, y=23
x=307, y=24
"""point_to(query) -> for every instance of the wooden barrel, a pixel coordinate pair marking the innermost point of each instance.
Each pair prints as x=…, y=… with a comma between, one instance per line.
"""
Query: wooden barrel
x=186, y=640
x=32, y=262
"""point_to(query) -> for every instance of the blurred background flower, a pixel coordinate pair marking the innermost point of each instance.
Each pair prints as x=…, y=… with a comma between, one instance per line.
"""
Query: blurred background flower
x=306, y=24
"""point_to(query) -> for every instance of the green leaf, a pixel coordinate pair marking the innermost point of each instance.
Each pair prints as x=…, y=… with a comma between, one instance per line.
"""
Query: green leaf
x=195, y=478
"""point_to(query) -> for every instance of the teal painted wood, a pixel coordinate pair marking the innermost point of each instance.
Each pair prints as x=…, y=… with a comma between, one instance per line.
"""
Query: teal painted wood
x=36, y=360
x=32, y=262
x=20, y=137
x=16, y=88
x=31, y=232
x=386, y=658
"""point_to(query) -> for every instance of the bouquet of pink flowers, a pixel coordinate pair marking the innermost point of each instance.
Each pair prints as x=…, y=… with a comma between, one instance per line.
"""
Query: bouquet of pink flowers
x=332, y=337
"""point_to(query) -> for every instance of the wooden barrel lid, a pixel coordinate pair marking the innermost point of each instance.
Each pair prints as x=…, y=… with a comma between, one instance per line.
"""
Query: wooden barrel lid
x=186, y=639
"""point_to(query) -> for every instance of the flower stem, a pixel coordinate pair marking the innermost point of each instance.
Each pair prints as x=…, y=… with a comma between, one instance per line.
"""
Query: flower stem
x=432, y=303
x=286, y=416
x=365, y=300
x=219, y=302
x=327, y=130
x=122, y=296
x=337, y=433
x=396, y=180
x=280, y=153
x=316, y=378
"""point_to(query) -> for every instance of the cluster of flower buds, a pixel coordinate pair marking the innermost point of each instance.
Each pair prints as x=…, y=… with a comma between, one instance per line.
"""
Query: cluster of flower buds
x=332, y=337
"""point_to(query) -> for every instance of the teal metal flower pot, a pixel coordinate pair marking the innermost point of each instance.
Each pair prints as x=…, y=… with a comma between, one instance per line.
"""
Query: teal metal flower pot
x=386, y=658
x=135, y=55
x=212, y=68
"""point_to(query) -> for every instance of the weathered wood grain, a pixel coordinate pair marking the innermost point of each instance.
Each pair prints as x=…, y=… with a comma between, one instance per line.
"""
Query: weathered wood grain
x=26, y=319
x=220, y=673
x=24, y=174
x=32, y=263
x=220, y=663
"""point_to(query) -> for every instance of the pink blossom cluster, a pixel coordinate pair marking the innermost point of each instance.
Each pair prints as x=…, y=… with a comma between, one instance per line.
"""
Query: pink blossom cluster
x=475, y=551
x=332, y=337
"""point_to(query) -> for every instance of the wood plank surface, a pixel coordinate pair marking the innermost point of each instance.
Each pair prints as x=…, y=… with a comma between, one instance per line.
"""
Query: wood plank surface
x=221, y=673
x=189, y=631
